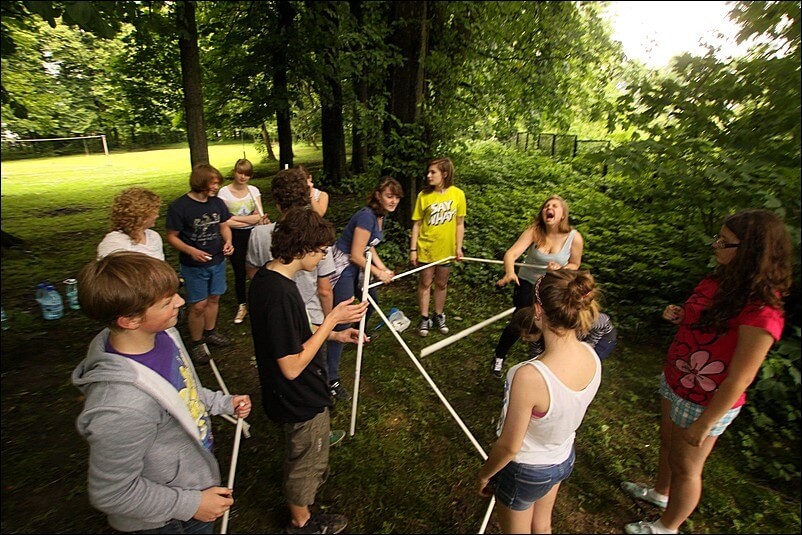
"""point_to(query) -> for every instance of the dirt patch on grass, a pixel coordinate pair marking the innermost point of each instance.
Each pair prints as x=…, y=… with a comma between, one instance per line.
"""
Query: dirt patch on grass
x=69, y=210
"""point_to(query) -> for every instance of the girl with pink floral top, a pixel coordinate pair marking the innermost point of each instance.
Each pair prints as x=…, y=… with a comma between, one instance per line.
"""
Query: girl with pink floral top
x=726, y=329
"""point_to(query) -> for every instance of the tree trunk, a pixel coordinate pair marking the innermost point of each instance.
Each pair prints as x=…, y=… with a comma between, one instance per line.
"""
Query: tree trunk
x=406, y=97
x=191, y=82
x=268, y=143
x=280, y=93
x=359, y=147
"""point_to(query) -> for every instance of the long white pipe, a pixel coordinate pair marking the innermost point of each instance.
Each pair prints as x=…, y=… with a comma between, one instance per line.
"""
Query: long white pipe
x=246, y=426
x=462, y=334
x=429, y=380
x=415, y=270
x=232, y=471
x=490, y=261
x=359, y=345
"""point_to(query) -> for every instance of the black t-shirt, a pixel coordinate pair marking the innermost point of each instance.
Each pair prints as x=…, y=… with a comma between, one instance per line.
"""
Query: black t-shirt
x=280, y=326
x=198, y=224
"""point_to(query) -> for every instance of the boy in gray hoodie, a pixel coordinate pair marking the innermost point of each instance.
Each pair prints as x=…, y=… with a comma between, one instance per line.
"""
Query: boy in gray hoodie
x=146, y=416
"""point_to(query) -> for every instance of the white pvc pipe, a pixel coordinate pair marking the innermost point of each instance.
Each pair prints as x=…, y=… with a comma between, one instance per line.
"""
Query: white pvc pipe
x=487, y=514
x=462, y=334
x=360, y=344
x=232, y=471
x=224, y=388
x=429, y=380
x=415, y=270
x=490, y=261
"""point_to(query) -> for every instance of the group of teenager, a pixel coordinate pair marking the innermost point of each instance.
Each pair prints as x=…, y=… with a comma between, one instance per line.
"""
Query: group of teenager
x=146, y=417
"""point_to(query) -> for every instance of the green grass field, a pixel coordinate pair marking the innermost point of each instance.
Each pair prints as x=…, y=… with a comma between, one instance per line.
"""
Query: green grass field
x=408, y=469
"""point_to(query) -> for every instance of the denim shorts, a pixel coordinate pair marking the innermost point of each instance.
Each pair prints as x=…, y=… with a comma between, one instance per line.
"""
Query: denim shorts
x=684, y=412
x=518, y=485
x=201, y=282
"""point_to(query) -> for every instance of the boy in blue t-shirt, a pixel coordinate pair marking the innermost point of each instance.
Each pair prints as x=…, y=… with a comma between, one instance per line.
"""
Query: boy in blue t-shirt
x=146, y=415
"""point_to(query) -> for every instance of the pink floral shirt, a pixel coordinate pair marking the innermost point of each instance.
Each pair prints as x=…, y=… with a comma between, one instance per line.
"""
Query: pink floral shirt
x=697, y=361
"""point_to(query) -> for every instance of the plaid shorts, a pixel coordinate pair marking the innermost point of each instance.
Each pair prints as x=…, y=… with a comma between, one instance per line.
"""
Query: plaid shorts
x=684, y=412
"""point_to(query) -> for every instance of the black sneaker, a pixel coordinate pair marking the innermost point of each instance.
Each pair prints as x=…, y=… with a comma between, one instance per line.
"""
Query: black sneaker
x=216, y=339
x=338, y=391
x=440, y=323
x=424, y=325
x=498, y=367
x=321, y=523
x=200, y=354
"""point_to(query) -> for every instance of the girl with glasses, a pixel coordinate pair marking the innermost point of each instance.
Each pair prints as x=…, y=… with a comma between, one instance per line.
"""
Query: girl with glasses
x=726, y=329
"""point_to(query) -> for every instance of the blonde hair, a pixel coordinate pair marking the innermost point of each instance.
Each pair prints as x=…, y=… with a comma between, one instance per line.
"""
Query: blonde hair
x=131, y=208
x=124, y=284
x=568, y=299
x=539, y=225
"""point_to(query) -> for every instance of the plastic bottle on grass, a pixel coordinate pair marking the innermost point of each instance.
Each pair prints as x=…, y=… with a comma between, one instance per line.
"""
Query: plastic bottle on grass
x=3, y=319
x=50, y=301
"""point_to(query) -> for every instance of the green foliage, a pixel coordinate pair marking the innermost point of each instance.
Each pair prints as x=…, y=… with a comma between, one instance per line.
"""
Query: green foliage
x=774, y=411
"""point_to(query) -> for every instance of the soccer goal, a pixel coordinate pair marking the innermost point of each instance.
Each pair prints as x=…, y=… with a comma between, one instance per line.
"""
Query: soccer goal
x=54, y=146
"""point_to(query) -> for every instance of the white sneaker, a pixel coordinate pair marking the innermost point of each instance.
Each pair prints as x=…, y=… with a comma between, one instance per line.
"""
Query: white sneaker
x=642, y=492
x=242, y=311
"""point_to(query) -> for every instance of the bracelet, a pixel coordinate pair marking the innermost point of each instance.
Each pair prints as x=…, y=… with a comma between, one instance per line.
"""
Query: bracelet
x=413, y=250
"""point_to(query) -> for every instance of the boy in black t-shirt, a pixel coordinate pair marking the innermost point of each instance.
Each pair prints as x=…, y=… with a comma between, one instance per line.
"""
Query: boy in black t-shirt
x=292, y=371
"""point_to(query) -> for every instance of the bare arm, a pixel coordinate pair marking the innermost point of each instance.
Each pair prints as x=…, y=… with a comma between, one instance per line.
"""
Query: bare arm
x=225, y=233
x=358, y=244
x=753, y=346
x=413, y=243
x=575, y=260
x=514, y=253
x=321, y=204
x=291, y=366
x=528, y=391
x=196, y=254
x=325, y=294
x=460, y=236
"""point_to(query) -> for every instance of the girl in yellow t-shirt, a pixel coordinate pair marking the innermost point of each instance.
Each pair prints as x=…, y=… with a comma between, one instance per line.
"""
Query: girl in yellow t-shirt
x=437, y=232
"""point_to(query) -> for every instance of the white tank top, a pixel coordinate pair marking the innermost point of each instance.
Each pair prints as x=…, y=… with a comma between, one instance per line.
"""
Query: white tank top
x=549, y=439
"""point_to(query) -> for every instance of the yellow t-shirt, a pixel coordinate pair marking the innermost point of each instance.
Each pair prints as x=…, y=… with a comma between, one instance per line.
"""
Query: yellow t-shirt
x=438, y=213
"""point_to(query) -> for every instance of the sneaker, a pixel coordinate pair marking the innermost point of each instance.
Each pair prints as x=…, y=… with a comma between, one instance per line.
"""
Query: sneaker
x=640, y=527
x=498, y=367
x=424, y=326
x=440, y=323
x=641, y=492
x=200, y=354
x=242, y=311
x=321, y=523
x=338, y=391
x=217, y=339
x=336, y=436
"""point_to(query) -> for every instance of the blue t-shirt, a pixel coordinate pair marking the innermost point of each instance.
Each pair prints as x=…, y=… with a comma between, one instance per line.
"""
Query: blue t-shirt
x=198, y=225
x=366, y=219
x=166, y=359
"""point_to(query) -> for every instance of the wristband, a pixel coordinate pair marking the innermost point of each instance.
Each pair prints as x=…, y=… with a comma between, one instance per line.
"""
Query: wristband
x=413, y=250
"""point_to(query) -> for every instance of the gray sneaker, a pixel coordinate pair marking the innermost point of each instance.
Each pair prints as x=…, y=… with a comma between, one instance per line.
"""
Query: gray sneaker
x=440, y=323
x=200, y=354
x=338, y=391
x=424, y=326
x=321, y=523
x=497, y=366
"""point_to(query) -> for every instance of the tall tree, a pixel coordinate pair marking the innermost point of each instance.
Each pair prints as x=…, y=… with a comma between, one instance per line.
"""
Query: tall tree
x=281, y=93
x=192, y=82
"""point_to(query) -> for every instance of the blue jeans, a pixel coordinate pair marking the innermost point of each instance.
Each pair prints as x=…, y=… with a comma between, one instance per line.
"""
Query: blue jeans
x=518, y=485
x=345, y=288
x=179, y=526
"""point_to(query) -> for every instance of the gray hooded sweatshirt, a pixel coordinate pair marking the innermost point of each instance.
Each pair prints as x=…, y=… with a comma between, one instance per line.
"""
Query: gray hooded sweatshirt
x=147, y=464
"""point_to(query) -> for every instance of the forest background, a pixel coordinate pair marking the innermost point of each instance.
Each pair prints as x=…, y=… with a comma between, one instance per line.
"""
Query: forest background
x=361, y=89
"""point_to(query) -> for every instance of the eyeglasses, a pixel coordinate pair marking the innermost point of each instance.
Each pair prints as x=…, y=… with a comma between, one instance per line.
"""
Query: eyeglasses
x=720, y=243
x=322, y=250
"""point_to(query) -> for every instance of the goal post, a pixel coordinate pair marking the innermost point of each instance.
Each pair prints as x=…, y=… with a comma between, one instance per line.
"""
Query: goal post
x=13, y=143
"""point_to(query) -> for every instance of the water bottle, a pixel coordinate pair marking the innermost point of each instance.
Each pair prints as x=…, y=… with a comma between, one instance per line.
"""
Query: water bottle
x=3, y=319
x=51, y=303
x=71, y=291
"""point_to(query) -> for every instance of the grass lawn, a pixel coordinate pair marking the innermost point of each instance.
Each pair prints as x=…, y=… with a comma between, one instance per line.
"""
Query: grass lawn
x=408, y=469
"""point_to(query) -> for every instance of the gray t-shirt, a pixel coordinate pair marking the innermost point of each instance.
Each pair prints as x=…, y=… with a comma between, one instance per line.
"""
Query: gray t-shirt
x=259, y=254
